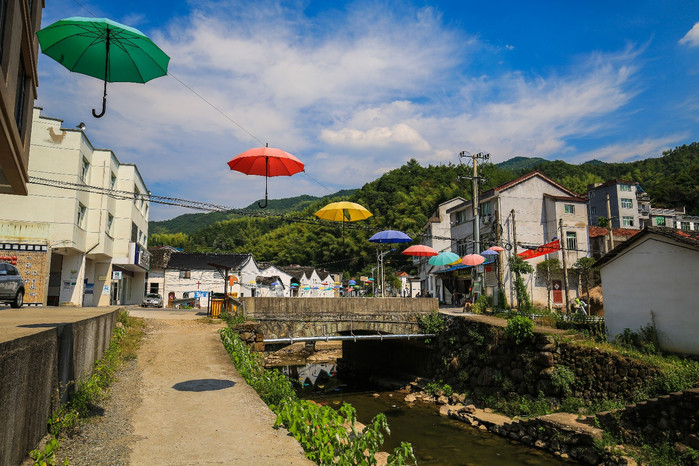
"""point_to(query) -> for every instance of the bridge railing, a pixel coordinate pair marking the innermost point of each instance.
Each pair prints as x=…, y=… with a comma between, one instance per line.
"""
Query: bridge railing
x=329, y=307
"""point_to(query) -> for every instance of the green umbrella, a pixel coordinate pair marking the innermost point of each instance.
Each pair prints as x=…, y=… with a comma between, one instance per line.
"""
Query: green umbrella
x=103, y=49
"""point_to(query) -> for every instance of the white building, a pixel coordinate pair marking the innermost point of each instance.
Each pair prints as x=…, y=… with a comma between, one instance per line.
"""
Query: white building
x=94, y=212
x=650, y=279
x=529, y=208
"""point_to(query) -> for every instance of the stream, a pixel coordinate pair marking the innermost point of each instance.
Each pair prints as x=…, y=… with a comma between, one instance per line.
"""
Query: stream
x=436, y=440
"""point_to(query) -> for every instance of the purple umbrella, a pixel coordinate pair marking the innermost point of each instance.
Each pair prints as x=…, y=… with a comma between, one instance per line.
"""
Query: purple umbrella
x=390, y=236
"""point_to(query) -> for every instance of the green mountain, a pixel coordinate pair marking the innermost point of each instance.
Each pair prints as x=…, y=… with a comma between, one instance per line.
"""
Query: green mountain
x=190, y=223
x=404, y=199
x=520, y=163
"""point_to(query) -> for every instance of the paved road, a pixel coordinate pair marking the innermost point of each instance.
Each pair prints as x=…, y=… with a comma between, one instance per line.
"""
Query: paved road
x=196, y=408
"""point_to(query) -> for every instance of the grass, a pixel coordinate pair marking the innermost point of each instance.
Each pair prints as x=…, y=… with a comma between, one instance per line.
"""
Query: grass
x=126, y=339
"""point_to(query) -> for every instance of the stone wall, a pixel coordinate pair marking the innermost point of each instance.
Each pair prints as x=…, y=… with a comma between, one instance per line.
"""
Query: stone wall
x=36, y=374
x=672, y=418
x=481, y=358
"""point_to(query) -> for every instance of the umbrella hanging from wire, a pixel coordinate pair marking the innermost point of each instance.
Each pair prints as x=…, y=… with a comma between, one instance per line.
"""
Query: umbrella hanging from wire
x=420, y=250
x=444, y=258
x=496, y=248
x=472, y=259
x=390, y=236
x=103, y=49
x=343, y=210
x=266, y=161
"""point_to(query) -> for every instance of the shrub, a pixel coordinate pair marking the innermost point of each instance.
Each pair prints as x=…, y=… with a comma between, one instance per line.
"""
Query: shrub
x=519, y=329
x=563, y=378
x=481, y=304
x=431, y=323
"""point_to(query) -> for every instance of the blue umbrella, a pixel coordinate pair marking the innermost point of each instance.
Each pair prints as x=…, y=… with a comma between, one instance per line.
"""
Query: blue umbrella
x=390, y=236
x=352, y=282
x=489, y=252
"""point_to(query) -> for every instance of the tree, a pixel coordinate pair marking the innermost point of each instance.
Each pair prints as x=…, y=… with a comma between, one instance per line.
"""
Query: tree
x=518, y=266
x=586, y=274
x=548, y=270
x=602, y=222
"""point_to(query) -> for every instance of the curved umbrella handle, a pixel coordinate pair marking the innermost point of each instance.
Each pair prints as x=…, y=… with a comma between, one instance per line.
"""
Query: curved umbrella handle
x=104, y=105
x=265, y=204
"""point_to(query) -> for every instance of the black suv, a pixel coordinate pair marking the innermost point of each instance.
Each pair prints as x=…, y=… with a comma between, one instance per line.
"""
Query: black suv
x=11, y=285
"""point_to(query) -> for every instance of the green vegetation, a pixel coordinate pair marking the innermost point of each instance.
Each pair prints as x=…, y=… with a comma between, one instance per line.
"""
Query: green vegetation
x=439, y=388
x=518, y=266
x=431, y=323
x=404, y=199
x=520, y=329
x=126, y=339
x=327, y=436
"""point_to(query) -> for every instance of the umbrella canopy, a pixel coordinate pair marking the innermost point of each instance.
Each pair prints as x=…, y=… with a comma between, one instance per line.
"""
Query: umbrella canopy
x=352, y=282
x=420, y=250
x=496, y=248
x=472, y=259
x=104, y=49
x=390, y=236
x=341, y=211
x=266, y=161
x=489, y=252
x=444, y=258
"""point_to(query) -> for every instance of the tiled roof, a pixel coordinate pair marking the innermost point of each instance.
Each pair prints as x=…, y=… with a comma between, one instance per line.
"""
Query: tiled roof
x=690, y=238
x=600, y=231
x=521, y=179
x=201, y=260
x=267, y=281
x=159, y=257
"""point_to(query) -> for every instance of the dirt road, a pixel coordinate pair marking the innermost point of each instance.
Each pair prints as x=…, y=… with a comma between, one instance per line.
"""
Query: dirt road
x=181, y=403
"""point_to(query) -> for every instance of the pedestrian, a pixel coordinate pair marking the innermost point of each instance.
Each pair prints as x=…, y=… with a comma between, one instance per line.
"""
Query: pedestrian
x=582, y=306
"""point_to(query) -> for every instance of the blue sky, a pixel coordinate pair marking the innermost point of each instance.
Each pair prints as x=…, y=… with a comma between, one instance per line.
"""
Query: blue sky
x=355, y=89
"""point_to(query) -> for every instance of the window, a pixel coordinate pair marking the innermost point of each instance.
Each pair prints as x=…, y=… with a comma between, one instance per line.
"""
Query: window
x=459, y=217
x=185, y=274
x=3, y=20
x=626, y=221
x=569, y=208
x=684, y=226
x=571, y=241
x=660, y=221
x=625, y=187
x=112, y=182
x=626, y=203
x=81, y=215
x=154, y=288
x=136, y=194
x=134, y=232
x=485, y=208
x=110, y=221
x=21, y=95
x=84, y=170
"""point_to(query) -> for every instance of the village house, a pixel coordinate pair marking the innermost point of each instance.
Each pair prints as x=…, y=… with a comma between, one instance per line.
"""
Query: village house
x=526, y=213
x=650, y=279
x=80, y=233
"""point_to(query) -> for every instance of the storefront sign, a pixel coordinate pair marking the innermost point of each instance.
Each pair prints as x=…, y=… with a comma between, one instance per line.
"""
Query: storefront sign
x=117, y=274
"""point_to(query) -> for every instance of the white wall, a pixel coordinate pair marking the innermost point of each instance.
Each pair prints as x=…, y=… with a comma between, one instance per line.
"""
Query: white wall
x=659, y=278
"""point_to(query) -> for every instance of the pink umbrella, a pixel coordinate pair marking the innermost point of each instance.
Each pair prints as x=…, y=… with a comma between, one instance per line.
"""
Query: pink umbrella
x=496, y=248
x=420, y=250
x=472, y=259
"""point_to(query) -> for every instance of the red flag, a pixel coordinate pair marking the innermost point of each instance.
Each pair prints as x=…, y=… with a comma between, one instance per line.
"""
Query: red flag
x=542, y=250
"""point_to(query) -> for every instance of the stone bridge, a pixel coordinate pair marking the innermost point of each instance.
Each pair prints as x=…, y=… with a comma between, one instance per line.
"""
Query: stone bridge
x=311, y=317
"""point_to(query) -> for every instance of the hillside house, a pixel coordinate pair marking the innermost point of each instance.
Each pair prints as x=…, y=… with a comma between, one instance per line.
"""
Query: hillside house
x=650, y=279
x=601, y=242
x=519, y=215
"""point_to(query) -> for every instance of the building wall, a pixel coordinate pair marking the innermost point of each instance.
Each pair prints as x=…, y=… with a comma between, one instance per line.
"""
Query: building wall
x=19, y=47
x=88, y=251
x=654, y=281
x=597, y=202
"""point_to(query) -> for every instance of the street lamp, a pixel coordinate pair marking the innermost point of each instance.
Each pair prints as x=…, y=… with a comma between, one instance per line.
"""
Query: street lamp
x=383, y=285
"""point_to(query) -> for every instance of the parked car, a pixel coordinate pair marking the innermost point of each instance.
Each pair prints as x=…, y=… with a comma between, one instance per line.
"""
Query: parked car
x=152, y=299
x=11, y=285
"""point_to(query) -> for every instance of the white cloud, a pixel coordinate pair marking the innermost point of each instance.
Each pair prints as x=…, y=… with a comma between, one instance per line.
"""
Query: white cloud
x=651, y=147
x=692, y=37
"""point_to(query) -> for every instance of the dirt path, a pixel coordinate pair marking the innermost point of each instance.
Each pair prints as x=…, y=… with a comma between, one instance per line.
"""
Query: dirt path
x=196, y=408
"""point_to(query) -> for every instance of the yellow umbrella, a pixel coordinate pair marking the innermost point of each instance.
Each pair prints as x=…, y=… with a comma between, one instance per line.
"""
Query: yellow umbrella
x=341, y=211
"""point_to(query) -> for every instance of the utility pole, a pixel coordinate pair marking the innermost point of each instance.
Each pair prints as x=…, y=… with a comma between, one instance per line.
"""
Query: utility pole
x=611, y=226
x=514, y=230
x=496, y=225
x=565, y=269
x=475, y=208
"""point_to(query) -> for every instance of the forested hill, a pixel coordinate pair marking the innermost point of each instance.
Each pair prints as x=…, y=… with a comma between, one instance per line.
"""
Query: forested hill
x=404, y=198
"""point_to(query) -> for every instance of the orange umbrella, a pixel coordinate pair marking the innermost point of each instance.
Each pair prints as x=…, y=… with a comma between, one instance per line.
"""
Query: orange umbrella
x=266, y=161
x=472, y=259
x=420, y=250
x=496, y=248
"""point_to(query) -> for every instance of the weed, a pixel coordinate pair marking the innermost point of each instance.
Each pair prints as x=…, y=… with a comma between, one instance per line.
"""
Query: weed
x=563, y=378
x=520, y=329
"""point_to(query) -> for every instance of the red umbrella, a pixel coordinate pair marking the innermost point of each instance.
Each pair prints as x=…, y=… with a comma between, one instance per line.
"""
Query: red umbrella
x=496, y=248
x=420, y=250
x=472, y=259
x=266, y=161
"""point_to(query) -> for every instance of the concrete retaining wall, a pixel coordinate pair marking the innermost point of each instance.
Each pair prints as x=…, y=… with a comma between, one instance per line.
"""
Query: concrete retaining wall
x=37, y=372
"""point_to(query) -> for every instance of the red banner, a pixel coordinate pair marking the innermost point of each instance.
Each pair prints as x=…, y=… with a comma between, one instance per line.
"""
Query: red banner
x=542, y=250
